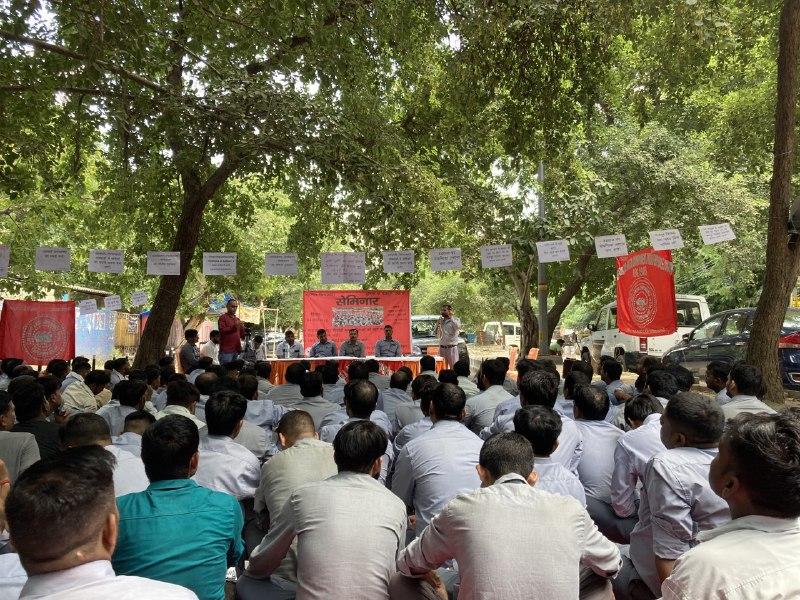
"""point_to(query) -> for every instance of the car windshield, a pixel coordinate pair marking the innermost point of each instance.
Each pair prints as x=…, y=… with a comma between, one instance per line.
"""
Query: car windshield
x=791, y=321
x=423, y=328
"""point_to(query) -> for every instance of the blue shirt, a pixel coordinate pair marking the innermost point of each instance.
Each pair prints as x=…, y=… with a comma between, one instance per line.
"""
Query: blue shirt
x=181, y=533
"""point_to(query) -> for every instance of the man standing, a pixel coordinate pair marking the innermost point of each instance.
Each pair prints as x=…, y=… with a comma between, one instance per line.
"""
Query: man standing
x=289, y=348
x=352, y=555
x=188, y=353
x=211, y=347
x=323, y=348
x=231, y=331
x=177, y=531
x=353, y=346
x=448, y=329
x=387, y=347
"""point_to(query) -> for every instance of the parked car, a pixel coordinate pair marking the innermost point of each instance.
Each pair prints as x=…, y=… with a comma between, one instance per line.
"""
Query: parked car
x=504, y=333
x=605, y=338
x=724, y=337
x=423, y=335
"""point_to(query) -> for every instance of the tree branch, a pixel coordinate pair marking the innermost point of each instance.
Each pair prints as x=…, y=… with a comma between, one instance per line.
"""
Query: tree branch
x=63, y=51
x=21, y=87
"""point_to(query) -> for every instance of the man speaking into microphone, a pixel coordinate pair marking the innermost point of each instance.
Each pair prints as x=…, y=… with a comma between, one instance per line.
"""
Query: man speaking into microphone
x=447, y=330
x=231, y=333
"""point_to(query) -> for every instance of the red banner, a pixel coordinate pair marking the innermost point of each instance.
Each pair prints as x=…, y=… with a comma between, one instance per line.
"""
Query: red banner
x=37, y=332
x=339, y=311
x=646, y=294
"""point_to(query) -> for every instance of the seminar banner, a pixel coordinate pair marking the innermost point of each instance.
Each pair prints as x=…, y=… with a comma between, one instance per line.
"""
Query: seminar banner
x=37, y=332
x=646, y=293
x=339, y=311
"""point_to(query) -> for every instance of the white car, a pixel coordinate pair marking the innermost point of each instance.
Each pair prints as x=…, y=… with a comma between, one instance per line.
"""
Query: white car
x=504, y=333
x=605, y=338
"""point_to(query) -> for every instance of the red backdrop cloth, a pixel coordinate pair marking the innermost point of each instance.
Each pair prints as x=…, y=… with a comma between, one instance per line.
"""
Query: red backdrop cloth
x=339, y=311
x=37, y=332
x=646, y=304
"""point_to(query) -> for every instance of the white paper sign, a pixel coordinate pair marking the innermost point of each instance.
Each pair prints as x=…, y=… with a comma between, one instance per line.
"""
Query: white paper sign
x=343, y=267
x=445, y=259
x=139, y=298
x=280, y=264
x=219, y=263
x=112, y=303
x=52, y=259
x=714, y=234
x=609, y=246
x=553, y=251
x=163, y=263
x=398, y=261
x=666, y=239
x=106, y=261
x=87, y=307
x=496, y=256
x=5, y=256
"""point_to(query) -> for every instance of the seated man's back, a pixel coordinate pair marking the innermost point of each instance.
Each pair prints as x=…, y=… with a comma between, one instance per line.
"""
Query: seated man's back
x=349, y=528
x=177, y=531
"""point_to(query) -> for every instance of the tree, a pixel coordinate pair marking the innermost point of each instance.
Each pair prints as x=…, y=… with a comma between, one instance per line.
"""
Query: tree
x=783, y=250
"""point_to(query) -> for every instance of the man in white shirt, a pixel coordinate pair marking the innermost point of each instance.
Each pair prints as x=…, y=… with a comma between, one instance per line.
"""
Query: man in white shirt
x=677, y=501
x=288, y=394
x=481, y=407
x=120, y=367
x=462, y=369
x=127, y=397
x=662, y=385
x=349, y=528
x=80, y=367
x=289, y=348
x=332, y=384
x=312, y=401
x=597, y=461
x=717, y=372
x=79, y=396
x=447, y=329
x=634, y=450
x=745, y=384
x=378, y=379
x=440, y=463
x=610, y=373
x=130, y=439
x=74, y=563
x=87, y=429
x=757, y=554
x=409, y=413
x=541, y=426
x=211, y=347
x=226, y=466
x=425, y=387
x=203, y=364
x=263, y=371
x=182, y=399
x=397, y=394
x=303, y=458
x=427, y=366
x=509, y=539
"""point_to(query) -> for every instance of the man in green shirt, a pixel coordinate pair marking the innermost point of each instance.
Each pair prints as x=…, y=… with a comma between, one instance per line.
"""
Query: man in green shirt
x=177, y=531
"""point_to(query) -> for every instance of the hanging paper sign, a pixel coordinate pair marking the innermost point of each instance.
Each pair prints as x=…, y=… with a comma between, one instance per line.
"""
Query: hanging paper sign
x=610, y=246
x=280, y=264
x=87, y=307
x=52, y=259
x=496, y=256
x=139, y=298
x=106, y=261
x=666, y=239
x=163, y=263
x=398, y=261
x=5, y=256
x=112, y=303
x=219, y=263
x=715, y=234
x=343, y=267
x=553, y=251
x=445, y=259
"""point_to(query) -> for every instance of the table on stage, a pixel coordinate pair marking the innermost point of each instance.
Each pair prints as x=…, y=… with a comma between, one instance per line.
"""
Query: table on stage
x=388, y=365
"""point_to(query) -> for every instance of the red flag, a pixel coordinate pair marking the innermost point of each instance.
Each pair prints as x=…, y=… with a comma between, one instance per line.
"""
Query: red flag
x=37, y=332
x=646, y=294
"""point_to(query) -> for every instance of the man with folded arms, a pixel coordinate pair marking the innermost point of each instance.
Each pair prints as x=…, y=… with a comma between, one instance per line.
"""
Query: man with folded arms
x=63, y=523
x=509, y=539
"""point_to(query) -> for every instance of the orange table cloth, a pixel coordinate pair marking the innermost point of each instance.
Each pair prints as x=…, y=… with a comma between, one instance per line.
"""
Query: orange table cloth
x=388, y=365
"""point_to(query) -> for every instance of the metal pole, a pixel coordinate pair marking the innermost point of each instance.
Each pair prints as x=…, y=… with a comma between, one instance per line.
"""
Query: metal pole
x=544, y=342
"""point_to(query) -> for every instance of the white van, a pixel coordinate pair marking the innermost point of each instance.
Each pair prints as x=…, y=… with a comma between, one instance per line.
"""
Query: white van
x=605, y=339
x=503, y=333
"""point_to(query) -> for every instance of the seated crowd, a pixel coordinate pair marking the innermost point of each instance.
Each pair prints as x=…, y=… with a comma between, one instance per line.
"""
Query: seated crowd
x=152, y=484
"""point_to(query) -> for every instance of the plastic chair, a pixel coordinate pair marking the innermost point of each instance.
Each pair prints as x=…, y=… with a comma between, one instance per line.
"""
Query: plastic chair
x=432, y=351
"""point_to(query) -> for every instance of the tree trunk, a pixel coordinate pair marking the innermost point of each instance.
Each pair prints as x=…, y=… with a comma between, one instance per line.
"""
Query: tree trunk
x=782, y=258
x=573, y=286
x=527, y=319
x=195, y=321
